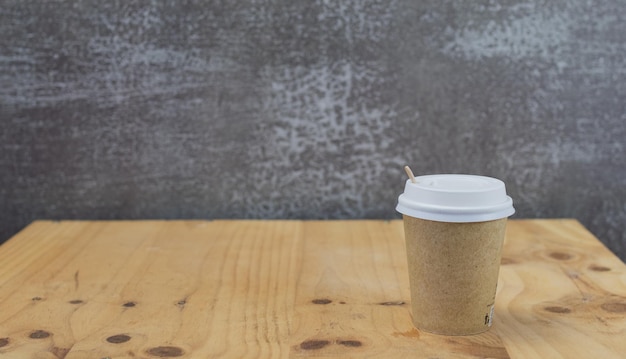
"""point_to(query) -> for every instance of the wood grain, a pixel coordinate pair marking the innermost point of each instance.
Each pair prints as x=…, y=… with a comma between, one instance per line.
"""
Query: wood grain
x=288, y=289
x=562, y=294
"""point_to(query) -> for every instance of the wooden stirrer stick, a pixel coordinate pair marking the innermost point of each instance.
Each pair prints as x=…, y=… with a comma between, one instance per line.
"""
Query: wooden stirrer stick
x=409, y=173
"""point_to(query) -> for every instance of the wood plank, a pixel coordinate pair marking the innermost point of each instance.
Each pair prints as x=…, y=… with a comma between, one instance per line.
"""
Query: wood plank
x=201, y=289
x=281, y=289
x=562, y=294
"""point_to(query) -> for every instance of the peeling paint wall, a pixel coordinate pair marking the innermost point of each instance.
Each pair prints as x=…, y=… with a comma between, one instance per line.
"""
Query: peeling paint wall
x=308, y=109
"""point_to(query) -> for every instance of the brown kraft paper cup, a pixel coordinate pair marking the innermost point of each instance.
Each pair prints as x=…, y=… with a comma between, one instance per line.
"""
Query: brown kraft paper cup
x=453, y=272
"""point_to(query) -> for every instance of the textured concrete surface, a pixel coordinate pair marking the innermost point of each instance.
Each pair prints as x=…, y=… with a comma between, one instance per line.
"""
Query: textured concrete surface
x=308, y=109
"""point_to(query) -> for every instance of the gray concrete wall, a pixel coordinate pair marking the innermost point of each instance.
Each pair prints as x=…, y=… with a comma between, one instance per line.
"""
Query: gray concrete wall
x=308, y=109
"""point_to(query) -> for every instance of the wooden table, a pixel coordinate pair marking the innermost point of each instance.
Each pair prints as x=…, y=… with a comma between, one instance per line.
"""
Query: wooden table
x=265, y=289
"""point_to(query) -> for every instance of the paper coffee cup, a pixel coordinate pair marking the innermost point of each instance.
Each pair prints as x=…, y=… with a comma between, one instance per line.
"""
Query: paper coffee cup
x=454, y=230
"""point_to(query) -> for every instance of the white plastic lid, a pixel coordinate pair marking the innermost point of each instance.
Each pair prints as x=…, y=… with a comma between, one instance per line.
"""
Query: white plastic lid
x=455, y=198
